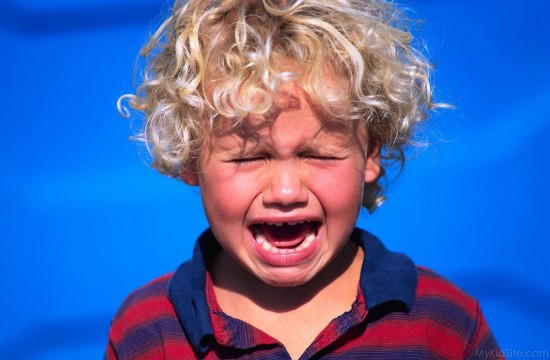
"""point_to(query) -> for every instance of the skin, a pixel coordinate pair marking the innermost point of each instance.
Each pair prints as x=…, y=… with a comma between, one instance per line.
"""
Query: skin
x=296, y=166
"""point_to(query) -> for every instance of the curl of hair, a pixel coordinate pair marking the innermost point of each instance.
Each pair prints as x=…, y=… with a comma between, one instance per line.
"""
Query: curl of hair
x=214, y=58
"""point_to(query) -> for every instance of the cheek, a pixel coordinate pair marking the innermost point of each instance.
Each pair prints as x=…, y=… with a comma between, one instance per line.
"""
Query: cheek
x=339, y=191
x=226, y=197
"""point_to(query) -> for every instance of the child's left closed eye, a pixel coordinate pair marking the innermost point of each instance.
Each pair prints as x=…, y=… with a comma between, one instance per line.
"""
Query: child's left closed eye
x=322, y=157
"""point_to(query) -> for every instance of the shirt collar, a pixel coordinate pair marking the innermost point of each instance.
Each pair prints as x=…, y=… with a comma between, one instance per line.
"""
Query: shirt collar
x=186, y=291
x=385, y=276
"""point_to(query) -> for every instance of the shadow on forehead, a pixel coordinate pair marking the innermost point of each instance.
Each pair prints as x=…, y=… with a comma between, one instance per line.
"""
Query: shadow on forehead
x=246, y=138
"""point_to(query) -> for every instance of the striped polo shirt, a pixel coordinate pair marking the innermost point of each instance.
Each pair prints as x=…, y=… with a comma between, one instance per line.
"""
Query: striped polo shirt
x=401, y=312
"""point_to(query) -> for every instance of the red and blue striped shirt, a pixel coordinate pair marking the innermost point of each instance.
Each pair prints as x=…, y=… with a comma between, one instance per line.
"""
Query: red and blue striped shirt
x=401, y=312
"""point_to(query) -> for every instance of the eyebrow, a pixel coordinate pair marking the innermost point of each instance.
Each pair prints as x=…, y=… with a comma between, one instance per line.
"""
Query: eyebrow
x=237, y=145
x=247, y=147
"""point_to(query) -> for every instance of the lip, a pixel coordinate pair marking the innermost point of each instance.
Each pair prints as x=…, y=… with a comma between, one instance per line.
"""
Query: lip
x=290, y=258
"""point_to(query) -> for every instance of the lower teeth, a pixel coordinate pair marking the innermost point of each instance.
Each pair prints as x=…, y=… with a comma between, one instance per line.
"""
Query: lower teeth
x=267, y=246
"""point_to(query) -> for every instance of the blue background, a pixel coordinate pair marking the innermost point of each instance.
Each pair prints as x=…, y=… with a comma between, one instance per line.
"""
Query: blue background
x=83, y=221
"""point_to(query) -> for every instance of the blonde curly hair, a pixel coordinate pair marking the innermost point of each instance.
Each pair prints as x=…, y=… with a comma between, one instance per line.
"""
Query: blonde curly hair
x=216, y=58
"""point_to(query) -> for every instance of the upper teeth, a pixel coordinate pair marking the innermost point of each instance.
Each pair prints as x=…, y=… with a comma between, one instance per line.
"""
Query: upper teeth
x=288, y=223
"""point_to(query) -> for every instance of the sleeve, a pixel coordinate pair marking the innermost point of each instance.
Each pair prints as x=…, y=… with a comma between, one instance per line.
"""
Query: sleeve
x=482, y=344
x=110, y=353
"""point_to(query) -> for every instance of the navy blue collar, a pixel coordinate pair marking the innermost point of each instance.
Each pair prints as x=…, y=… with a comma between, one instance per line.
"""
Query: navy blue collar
x=385, y=276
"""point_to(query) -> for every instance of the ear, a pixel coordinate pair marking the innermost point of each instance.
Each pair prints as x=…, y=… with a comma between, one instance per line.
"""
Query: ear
x=189, y=175
x=372, y=166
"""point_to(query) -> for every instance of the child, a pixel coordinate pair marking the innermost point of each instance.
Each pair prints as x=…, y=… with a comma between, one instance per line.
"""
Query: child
x=281, y=112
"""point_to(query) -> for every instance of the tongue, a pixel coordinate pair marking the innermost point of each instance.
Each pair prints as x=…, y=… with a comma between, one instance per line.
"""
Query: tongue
x=286, y=235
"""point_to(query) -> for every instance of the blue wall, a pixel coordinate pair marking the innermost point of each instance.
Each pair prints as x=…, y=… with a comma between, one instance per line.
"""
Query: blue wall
x=83, y=221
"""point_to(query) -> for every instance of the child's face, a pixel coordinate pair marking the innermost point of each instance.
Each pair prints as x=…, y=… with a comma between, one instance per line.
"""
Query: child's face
x=285, y=206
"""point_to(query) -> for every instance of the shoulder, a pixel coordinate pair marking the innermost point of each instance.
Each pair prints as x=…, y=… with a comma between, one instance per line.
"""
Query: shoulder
x=443, y=321
x=154, y=291
x=143, y=323
x=434, y=287
x=144, y=305
x=452, y=316
x=151, y=299
x=443, y=304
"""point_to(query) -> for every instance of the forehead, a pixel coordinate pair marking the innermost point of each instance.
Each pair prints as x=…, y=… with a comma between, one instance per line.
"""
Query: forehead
x=286, y=131
x=293, y=117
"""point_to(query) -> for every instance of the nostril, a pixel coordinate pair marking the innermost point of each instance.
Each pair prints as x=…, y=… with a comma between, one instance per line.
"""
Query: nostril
x=285, y=188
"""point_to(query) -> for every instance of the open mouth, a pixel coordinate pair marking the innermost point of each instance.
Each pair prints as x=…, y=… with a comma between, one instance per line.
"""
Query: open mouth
x=286, y=237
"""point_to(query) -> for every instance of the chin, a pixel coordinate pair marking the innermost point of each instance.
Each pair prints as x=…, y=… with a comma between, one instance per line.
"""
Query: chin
x=285, y=280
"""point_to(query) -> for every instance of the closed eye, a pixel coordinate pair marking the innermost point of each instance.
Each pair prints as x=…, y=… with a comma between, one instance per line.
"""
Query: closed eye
x=244, y=160
x=247, y=160
x=322, y=157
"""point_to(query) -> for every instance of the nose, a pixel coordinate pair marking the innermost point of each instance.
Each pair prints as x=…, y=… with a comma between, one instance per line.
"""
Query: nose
x=285, y=186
